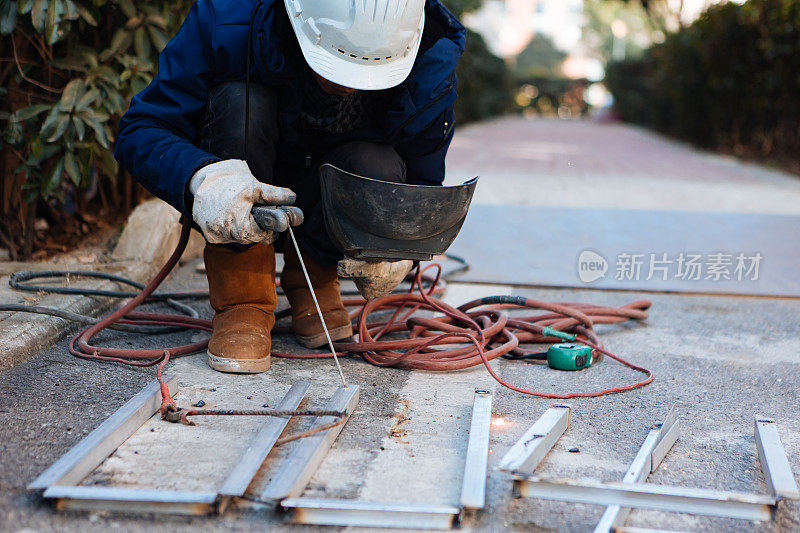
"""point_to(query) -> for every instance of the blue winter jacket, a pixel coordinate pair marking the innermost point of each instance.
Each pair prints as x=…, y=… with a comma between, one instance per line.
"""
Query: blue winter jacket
x=159, y=135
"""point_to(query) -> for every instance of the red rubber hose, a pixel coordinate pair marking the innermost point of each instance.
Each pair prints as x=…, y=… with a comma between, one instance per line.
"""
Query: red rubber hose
x=481, y=329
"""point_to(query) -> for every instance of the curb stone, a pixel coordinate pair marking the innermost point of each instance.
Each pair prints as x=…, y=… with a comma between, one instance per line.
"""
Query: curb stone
x=150, y=235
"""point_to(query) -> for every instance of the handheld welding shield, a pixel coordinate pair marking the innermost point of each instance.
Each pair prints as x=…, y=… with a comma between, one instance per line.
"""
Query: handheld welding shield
x=371, y=219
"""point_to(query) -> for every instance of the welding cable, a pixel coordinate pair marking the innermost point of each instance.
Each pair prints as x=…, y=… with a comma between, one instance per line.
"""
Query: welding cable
x=85, y=319
x=80, y=346
x=18, y=281
x=481, y=323
x=482, y=329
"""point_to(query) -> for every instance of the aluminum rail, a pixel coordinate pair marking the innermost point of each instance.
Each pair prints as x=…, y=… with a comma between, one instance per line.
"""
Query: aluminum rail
x=242, y=474
x=774, y=463
x=526, y=454
x=136, y=500
x=644, y=530
x=644, y=496
x=473, y=486
x=370, y=514
x=666, y=439
x=95, y=447
x=296, y=472
x=660, y=439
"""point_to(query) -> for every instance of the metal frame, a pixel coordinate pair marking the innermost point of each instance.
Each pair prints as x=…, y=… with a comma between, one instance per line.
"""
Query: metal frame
x=473, y=486
x=632, y=493
x=643, y=530
x=60, y=481
x=640, y=495
x=333, y=512
x=774, y=463
x=526, y=454
x=293, y=477
x=93, y=449
x=655, y=447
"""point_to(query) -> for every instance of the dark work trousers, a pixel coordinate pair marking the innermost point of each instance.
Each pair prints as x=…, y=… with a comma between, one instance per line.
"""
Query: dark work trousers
x=222, y=134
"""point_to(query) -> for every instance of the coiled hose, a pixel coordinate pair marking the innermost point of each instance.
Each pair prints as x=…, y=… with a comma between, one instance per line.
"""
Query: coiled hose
x=455, y=338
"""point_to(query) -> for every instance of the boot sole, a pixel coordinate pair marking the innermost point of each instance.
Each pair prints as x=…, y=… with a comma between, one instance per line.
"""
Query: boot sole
x=319, y=340
x=239, y=366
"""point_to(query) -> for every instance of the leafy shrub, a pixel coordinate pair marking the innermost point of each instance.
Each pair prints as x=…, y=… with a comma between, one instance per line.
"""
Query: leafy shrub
x=68, y=70
x=729, y=81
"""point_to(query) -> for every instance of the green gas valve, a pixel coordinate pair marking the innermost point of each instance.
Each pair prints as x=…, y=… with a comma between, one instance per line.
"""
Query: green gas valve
x=568, y=356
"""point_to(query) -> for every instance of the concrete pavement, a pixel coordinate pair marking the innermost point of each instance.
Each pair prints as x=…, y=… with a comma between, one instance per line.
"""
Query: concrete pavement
x=147, y=241
x=720, y=360
x=586, y=164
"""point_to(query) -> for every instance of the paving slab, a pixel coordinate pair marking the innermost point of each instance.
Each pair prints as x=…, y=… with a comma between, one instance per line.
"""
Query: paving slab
x=671, y=251
x=581, y=163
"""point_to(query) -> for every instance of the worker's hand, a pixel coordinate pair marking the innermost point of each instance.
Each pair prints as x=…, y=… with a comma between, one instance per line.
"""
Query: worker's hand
x=374, y=279
x=224, y=194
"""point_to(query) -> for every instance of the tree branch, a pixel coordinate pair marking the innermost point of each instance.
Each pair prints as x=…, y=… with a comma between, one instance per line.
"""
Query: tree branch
x=26, y=78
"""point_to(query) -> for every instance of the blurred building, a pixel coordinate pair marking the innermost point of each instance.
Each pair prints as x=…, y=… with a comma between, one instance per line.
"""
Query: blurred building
x=509, y=25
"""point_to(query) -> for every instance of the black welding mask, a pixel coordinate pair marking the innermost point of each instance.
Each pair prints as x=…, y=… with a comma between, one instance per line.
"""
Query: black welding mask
x=373, y=219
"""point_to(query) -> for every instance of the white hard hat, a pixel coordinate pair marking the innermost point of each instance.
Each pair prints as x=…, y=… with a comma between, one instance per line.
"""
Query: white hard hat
x=361, y=44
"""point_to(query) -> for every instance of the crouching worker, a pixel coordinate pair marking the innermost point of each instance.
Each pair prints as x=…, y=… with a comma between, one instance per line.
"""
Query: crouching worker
x=251, y=98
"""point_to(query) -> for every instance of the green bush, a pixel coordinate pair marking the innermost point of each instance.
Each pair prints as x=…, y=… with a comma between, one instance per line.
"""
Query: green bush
x=729, y=81
x=69, y=69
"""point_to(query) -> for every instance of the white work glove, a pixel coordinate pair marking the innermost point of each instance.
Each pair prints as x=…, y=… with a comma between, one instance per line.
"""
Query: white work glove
x=374, y=279
x=224, y=194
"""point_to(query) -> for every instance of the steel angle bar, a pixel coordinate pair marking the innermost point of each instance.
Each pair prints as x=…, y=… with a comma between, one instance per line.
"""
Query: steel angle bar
x=644, y=530
x=615, y=515
x=670, y=429
x=242, y=474
x=370, y=514
x=93, y=449
x=137, y=500
x=645, y=496
x=473, y=486
x=774, y=463
x=296, y=472
x=643, y=465
x=526, y=454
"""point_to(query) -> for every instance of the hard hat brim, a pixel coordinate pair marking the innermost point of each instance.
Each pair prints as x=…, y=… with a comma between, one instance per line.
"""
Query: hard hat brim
x=369, y=76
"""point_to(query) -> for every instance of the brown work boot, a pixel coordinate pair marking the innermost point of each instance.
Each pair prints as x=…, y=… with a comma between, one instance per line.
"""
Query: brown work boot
x=305, y=320
x=241, y=287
